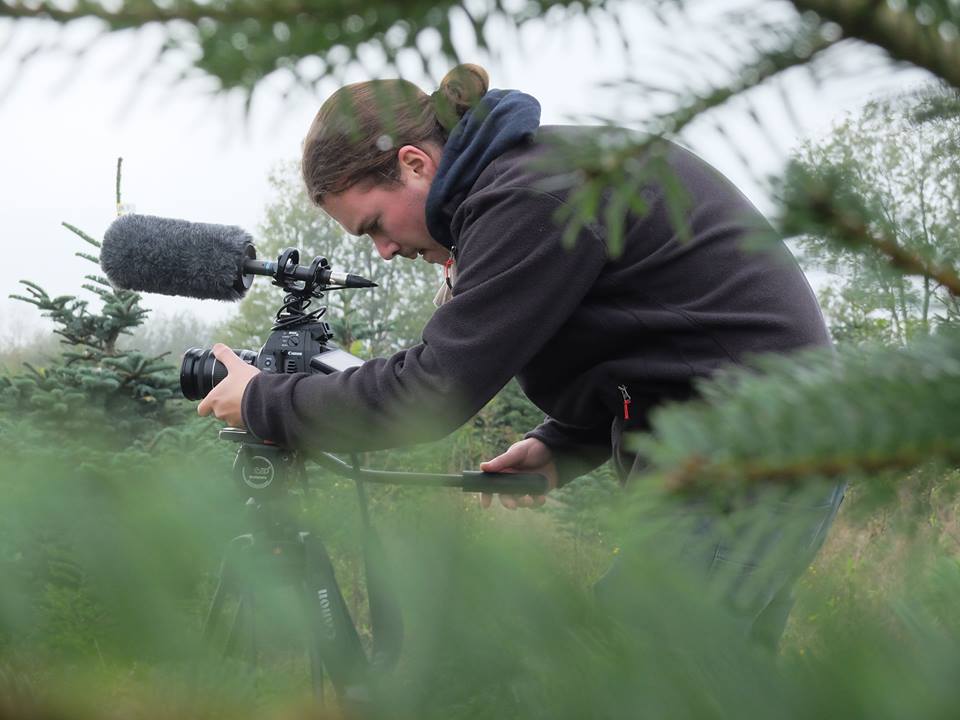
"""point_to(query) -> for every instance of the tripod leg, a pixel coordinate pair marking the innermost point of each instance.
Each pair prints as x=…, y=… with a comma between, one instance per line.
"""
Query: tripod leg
x=243, y=628
x=316, y=671
x=227, y=582
x=216, y=604
x=334, y=638
x=239, y=620
x=251, y=624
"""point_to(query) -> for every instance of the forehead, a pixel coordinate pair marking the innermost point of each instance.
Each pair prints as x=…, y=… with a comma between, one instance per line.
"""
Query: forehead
x=359, y=203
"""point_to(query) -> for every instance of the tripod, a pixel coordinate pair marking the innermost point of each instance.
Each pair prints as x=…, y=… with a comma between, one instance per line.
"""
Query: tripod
x=265, y=474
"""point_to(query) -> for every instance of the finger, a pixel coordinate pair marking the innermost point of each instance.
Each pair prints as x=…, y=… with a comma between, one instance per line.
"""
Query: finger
x=511, y=457
x=525, y=501
x=485, y=500
x=508, y=502
x=539, y=500
x=495, y=465
x=205, y=407
x=225, y=355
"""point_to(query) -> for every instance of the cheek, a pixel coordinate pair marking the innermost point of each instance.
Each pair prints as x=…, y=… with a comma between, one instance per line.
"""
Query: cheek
x=418, y=226
x=409, y=221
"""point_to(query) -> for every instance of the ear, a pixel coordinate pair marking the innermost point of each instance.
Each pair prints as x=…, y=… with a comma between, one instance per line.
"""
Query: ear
x=416, y=163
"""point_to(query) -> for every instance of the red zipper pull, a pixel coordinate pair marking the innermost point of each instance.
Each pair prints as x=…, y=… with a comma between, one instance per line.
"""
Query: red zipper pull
x=446, y=270
x=626, y=401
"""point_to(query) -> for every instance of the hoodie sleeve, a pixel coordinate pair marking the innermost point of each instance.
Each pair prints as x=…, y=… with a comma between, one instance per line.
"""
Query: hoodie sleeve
x=576, y=451
x=516, y=286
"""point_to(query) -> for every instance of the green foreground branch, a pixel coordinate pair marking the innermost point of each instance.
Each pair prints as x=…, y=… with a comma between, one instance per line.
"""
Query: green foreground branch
x=848, y=413
x=899, y=32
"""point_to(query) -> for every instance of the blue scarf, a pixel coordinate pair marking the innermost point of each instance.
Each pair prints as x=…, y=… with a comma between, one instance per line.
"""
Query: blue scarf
x=500, y=121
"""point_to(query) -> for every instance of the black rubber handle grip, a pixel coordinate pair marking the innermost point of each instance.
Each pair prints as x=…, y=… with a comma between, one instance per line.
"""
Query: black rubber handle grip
x=504, y=483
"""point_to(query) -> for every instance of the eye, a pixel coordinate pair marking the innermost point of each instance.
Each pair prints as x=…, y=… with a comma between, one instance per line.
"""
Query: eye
x=369, y=229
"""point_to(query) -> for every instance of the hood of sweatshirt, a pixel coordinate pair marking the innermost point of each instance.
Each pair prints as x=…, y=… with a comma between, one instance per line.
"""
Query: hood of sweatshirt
x=500, y=121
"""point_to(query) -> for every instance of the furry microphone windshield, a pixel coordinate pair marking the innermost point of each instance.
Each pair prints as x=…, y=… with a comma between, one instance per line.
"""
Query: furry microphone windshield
x=176, y=257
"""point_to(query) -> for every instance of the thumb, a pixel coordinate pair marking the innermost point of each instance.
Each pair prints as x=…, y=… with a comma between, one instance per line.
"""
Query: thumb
x=514, y=455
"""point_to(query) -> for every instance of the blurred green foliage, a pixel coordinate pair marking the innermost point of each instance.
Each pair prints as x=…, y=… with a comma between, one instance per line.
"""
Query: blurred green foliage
x=240, y=42
x=106, y=575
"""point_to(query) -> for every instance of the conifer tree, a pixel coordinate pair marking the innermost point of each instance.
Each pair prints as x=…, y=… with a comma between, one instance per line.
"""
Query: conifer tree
x=94, y=390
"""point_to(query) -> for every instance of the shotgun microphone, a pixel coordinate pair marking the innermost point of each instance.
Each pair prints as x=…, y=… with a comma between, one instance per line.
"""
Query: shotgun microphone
x=198, y=260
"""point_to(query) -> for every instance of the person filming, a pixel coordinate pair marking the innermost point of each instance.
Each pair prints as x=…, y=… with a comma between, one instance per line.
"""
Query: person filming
x=467, y=178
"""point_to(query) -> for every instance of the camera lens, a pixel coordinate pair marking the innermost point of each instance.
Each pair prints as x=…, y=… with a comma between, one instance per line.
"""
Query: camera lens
x=200, y=371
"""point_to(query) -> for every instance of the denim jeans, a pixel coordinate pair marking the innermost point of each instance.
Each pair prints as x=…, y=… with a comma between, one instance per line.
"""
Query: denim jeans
x=745, y=560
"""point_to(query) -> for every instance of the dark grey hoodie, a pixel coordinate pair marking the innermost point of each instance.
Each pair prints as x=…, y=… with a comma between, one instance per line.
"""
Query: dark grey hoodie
x=577, y=328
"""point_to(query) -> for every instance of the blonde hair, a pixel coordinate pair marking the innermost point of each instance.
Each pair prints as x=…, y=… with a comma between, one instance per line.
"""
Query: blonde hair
x=355, y=136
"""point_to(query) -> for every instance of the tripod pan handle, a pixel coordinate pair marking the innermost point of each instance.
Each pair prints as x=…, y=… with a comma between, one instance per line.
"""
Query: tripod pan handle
x=504, y=483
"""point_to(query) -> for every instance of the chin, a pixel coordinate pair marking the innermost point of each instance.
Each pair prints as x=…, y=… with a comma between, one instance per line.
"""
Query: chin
x=435, y=257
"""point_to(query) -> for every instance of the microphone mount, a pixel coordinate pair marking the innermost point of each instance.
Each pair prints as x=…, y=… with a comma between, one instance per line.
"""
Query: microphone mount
x=302, y=283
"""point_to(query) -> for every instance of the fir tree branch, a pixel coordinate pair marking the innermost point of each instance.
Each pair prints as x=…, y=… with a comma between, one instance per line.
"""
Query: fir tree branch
x=899, y=32
x=818, y=414
x=80, y=233
x=822, y=204
x=136, y=14
x=797, y=50
x=39, y=373
x=33, y=287
x=99, y=280
x=104, y=294
x=698, y=472
x=38, y=296
x=32, y=301
x=617, y=165
x=858, y=234
x=412, y=13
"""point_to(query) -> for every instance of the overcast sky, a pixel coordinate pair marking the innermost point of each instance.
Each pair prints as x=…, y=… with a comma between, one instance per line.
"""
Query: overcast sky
x=189, y=154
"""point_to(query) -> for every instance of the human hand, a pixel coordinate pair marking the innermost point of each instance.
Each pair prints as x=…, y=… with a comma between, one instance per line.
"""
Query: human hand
x=225, y=399
x=527, y=456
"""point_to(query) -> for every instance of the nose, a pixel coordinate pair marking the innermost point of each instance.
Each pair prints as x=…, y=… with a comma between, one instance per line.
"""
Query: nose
x=386, y=248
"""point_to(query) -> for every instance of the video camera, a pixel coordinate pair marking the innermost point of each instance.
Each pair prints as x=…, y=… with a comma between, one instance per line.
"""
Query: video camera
x=299, y=342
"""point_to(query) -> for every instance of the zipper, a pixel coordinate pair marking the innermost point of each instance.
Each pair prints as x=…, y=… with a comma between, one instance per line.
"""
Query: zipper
x=449, y=264
x=626, y=401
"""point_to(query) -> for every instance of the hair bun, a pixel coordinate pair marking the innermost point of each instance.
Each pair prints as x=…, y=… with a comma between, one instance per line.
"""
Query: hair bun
x=460, y=90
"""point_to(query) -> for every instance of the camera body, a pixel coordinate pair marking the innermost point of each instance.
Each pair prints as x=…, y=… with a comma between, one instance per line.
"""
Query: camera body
x=301, y=349
x=299, y=341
